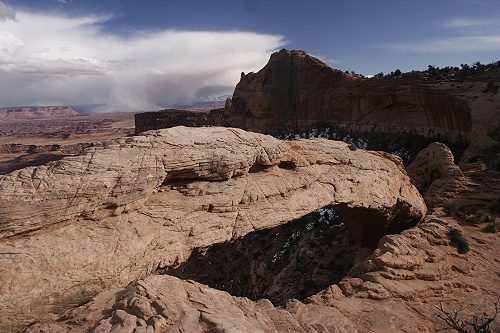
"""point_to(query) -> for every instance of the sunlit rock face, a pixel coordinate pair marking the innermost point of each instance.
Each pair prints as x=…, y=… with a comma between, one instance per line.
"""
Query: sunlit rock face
x=125, y=208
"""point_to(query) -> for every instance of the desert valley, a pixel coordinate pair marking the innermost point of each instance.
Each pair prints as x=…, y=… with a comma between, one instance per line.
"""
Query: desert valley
x=313, y=200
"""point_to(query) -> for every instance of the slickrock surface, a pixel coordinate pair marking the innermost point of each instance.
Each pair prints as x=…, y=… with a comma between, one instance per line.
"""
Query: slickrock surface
x=393, y=289
x=122, y=209
x=435, y=174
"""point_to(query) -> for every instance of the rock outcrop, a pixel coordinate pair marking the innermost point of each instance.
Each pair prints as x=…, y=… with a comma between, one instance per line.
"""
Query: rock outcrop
x=295, y=92
x=435, y=174
x=124, y=208
x=394, y=289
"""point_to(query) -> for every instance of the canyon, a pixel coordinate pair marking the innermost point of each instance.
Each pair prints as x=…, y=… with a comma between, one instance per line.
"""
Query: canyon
x=42, y=136
x=198, y=223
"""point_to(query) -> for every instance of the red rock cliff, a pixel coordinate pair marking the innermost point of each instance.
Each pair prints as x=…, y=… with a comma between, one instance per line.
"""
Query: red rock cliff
x=296, y=91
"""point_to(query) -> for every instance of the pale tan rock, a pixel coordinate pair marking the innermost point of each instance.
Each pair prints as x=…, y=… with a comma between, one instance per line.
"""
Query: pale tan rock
x=406, y=265
x=187, y=306
x=376, y=302
x=435, y=174
x=122, y=209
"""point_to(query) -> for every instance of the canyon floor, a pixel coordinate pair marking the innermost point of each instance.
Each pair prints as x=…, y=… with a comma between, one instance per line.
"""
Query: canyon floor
x=25, y=142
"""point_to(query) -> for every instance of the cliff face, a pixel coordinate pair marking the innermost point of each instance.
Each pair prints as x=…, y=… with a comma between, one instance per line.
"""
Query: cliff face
x=295, y=92
x=169, y=118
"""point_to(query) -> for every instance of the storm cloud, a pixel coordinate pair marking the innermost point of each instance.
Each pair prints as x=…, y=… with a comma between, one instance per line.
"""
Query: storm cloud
x=54, y=59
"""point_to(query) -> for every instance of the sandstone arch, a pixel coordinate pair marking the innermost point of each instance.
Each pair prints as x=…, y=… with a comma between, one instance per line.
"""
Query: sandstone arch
x=107, y=217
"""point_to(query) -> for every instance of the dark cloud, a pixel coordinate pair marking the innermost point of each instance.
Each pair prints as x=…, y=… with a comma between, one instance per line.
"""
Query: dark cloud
x=58, y=60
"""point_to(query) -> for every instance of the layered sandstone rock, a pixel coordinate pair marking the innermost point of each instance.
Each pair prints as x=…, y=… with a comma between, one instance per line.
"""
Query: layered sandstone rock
x=295, y=92
x=394, y=289
x=167, y=304
x=124, y=208
x=435, y=174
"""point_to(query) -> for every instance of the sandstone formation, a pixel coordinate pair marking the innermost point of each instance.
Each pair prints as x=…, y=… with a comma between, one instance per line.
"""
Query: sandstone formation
x=127, y=207
x=484, y=108
x=482, y=191
x=295, y=92
x=393, y=289
x=435, y=174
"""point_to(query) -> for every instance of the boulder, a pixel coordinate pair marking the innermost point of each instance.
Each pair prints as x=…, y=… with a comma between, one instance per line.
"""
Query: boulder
x=436, y=175
x=124, y=208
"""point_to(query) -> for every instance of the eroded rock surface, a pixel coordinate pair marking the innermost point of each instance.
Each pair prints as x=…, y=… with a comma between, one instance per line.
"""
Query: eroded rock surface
x=122, y=209
x=435, y=174
x=393, y=289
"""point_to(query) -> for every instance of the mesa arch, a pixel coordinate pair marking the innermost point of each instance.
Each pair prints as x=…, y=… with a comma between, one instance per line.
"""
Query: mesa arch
x=125, y=207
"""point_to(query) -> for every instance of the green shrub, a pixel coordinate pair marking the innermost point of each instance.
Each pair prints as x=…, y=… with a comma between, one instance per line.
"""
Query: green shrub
x=491, y=153
x=495, y=208
x=451, y=207
x=457, y=239
x=493, y=227
x=352, y=147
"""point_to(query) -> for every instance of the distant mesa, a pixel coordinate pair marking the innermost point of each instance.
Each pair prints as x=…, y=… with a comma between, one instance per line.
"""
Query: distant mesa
x=32, y=112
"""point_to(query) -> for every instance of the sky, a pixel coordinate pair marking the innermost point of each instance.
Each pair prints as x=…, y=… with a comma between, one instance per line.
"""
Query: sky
x=146, y=55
